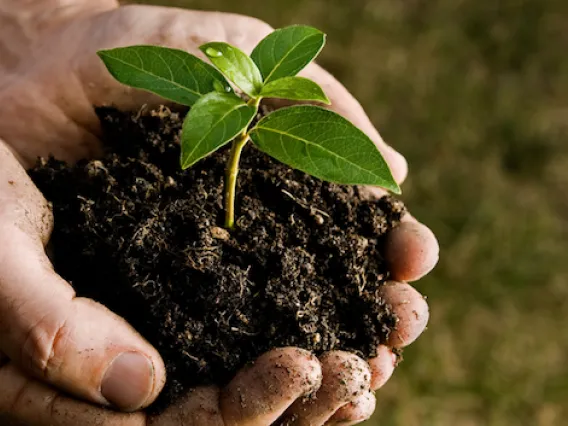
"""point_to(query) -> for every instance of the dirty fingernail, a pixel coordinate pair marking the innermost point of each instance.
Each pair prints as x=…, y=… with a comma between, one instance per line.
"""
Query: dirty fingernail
x=128, y=382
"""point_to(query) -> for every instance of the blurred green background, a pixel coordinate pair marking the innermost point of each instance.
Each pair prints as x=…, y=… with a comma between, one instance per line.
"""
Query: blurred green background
x=475, y=94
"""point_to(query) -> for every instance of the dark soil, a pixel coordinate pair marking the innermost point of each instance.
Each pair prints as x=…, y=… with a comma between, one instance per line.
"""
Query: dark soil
x=141, y=236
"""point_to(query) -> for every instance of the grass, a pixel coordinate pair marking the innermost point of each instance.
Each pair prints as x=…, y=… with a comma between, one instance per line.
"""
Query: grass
x=475, y=94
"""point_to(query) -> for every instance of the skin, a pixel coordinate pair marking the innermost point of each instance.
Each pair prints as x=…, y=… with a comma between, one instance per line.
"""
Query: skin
x=56, y=349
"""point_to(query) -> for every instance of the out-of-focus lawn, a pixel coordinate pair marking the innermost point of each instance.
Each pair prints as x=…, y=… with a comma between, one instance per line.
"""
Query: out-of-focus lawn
x=475, y=94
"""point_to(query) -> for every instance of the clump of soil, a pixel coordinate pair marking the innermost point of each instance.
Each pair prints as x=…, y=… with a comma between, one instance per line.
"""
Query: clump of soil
x=135, y=232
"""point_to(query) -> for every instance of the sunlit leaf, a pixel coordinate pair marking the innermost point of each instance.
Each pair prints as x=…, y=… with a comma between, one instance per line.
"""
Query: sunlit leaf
x=323, y=144
x=236, y=65
x=170, y=73
x=285, y=52
x=294, y=88
x=212, y=122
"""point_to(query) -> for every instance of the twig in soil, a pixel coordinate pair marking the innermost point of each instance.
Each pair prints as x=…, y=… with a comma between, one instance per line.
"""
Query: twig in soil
x=202, y=364
x=140, y=112
x=246, y=333
x=313, y=211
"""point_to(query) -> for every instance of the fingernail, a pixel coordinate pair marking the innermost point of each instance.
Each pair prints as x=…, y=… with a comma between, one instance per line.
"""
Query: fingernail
x=128, y=382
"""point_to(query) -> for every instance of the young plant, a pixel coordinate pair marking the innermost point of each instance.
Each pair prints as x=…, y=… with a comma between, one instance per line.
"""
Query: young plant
x=309, y=138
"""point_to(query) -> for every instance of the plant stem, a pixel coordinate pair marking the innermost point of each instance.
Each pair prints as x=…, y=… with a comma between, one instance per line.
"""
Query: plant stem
x=255, y=102
x=231, y=179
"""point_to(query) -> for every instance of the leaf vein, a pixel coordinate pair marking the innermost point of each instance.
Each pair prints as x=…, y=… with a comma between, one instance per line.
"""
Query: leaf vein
x=310, y=143
x=279, y=63
x=175, y=83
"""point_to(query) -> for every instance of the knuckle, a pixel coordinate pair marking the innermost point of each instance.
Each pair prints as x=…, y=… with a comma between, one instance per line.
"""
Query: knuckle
x=19, y=398
x=46, y=345
x=54, y=402
x=356, y=411
x=199, y=407
x=17, y=394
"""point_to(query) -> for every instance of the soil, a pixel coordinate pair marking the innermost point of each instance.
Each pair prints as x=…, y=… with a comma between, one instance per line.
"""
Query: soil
x=139, y=235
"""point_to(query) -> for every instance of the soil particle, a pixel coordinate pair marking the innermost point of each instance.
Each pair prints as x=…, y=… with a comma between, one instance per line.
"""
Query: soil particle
x=302, y=268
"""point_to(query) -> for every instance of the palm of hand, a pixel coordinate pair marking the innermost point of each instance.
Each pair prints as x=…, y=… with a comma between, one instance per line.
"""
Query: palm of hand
x=46, y=97
x=58, y=79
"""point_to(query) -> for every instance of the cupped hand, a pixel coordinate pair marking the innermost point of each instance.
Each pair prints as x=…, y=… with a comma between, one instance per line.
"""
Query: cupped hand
x=49, y=79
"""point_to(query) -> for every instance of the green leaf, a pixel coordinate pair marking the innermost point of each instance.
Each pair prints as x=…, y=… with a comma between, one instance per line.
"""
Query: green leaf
x=214, y=120
x=323, y=144
x=294, y=88
x=287, y=51
x=236, y=65
x=170, y=73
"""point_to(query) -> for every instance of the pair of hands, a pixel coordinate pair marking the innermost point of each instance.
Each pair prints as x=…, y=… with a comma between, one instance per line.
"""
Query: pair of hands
x=75, y=348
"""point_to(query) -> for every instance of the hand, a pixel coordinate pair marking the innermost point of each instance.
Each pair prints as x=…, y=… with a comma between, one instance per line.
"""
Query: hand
x=49, y=79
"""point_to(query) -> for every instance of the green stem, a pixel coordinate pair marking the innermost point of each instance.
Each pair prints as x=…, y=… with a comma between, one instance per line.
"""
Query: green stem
x=255, y=102
x=231, y=179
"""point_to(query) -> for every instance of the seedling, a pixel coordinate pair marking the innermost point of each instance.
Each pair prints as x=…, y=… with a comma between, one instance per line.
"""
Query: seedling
x=309, y=138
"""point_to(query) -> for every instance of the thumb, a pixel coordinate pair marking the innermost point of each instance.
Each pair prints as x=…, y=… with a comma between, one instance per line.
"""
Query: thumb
x=72, y=343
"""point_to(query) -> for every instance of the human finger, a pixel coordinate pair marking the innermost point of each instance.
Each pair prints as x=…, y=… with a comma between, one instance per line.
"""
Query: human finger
x=261, y=392
x=72, y=343
x=382, y=366
x=411, y=310
x=411, y=250
x=357, y=411
x=345, y=378
x=24, y=401
x=200, y=407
